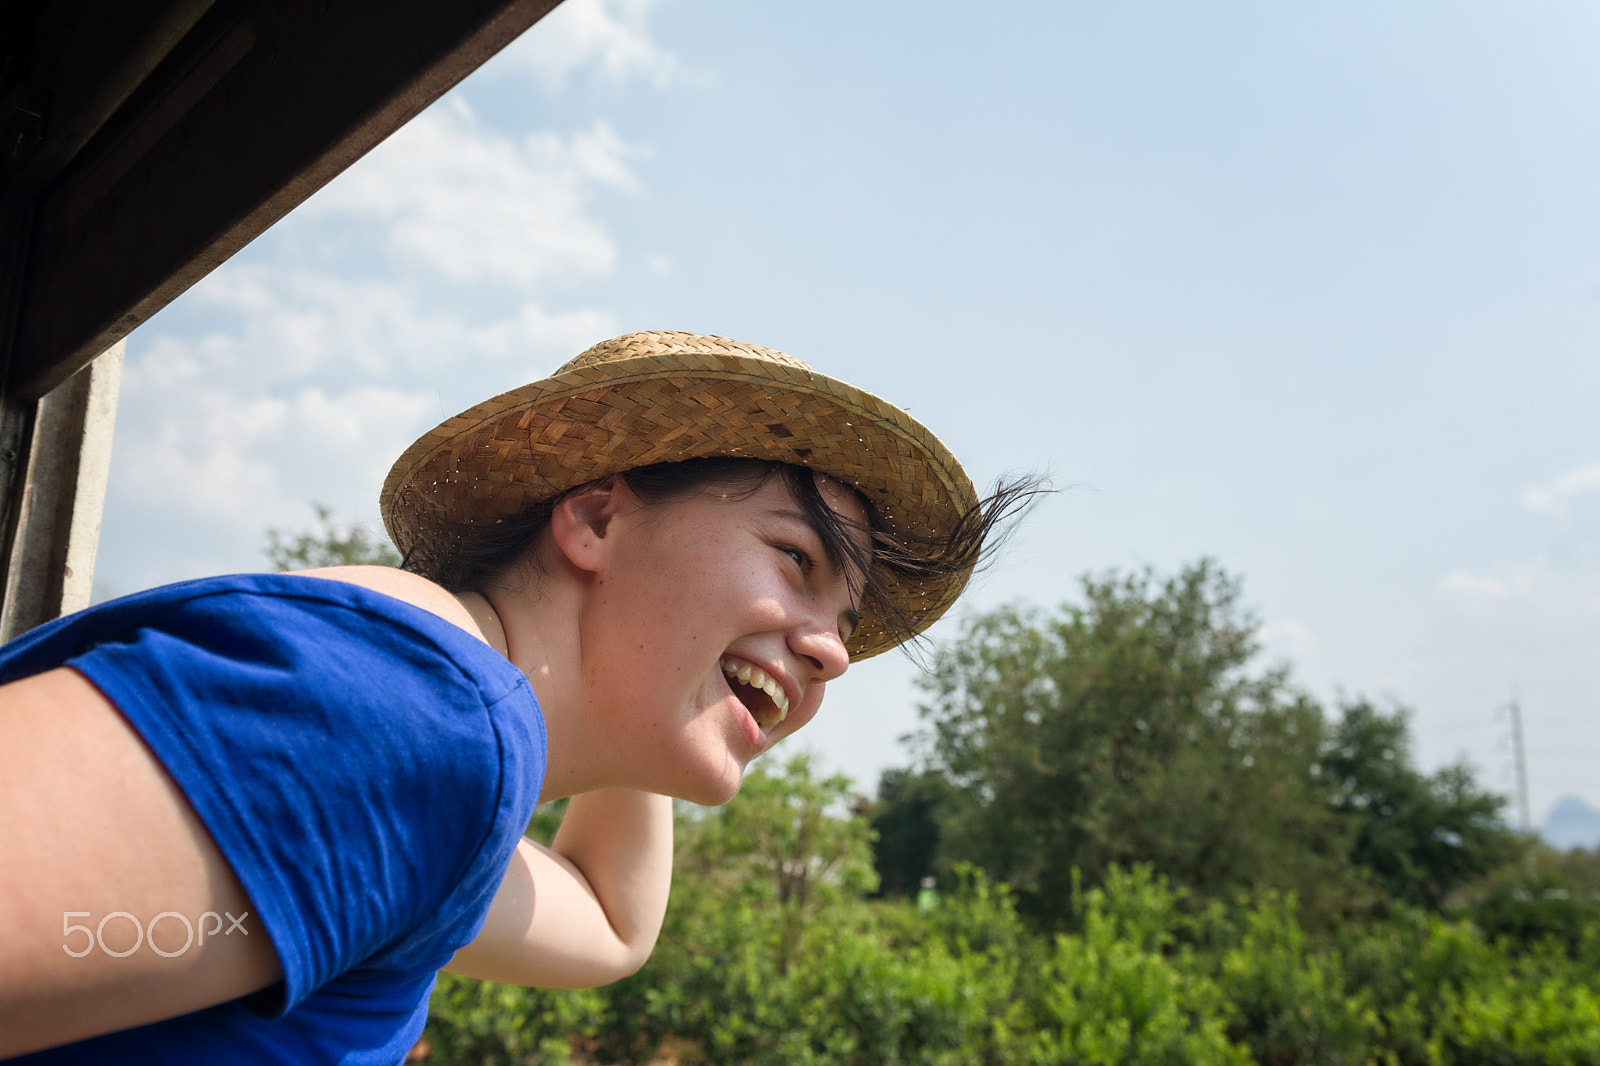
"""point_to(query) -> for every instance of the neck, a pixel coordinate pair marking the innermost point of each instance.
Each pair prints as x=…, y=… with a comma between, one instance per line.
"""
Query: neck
x=535, y=624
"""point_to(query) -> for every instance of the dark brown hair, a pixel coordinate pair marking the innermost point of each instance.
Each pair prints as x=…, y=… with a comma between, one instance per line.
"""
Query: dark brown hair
x=488, y=553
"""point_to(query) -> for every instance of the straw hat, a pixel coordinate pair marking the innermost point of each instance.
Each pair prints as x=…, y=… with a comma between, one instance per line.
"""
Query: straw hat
x=663, y=397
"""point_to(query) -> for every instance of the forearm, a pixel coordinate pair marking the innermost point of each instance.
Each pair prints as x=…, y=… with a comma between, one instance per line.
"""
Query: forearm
x=586, y=911
x=621, y=842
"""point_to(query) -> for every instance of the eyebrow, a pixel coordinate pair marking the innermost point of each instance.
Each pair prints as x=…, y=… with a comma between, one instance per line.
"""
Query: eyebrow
x=794, y=514
x=835, y=560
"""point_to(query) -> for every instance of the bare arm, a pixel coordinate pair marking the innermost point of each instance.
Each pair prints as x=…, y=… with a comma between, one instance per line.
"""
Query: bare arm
x=90, y=824
x=586, y=911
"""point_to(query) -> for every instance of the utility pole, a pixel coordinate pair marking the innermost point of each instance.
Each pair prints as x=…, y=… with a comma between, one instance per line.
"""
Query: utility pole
x=1519, y=762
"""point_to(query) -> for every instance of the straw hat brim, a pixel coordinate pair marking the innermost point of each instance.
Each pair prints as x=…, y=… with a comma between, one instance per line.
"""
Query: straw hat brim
x=589, y=421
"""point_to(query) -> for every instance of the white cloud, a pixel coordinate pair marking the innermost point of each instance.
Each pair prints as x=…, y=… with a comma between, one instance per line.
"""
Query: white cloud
x=410, y=287
x=535, y=332
x=1480, y=587
x=610, y=36
x=1554, y=497
x=449, y=196
x=1479, y=593
x=1284, y=638
x=247, y=461
x=301, y=324
x=1543, y=589
x=298, y=372
x=316, y=385
x=1536, y=599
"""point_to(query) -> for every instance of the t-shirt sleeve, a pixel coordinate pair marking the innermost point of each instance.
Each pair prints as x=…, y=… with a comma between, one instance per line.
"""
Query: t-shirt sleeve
x=356, y=769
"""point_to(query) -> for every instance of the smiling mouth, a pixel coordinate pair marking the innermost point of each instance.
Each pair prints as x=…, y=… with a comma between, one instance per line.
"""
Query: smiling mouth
x=761, y=695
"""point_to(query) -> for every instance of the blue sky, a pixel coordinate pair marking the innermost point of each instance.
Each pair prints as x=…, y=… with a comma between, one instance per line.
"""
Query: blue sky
x=1309, y=288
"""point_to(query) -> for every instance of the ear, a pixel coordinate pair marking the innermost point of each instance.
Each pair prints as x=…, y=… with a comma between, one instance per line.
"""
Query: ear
x=580, y=522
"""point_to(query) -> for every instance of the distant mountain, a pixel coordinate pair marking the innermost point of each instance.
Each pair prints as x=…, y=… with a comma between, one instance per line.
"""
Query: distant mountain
x=1571, y=823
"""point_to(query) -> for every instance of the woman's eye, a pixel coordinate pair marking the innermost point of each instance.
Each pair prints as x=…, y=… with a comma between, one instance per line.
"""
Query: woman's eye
x=802, y=560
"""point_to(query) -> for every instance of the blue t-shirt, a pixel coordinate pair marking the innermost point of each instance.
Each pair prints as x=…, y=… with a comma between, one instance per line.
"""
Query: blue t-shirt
x=365, y=767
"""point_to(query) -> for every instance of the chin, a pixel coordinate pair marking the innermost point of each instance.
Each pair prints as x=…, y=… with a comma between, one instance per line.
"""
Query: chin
x=711, y=790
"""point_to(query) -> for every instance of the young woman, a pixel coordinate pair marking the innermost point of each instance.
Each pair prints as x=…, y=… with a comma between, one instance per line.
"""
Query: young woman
x=247, y=819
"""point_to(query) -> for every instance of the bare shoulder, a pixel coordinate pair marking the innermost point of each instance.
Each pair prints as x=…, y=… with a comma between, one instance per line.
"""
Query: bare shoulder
x=409, y=588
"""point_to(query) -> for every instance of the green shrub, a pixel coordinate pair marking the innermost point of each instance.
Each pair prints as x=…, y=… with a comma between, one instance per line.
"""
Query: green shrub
x=1109, y=995
x=1539, y=914
x=860, y=987
x=1445, y=995
x=1522, y=1022
x=480, y=1023
x=1290, y=1003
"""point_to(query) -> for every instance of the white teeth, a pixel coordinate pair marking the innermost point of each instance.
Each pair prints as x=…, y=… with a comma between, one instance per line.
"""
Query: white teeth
x=772, y=689
x=756, y=677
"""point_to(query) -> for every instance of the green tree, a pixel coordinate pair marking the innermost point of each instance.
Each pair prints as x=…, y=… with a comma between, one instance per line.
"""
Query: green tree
x=788, y=841
x=905, y=820
x=1131, y=728
x=751, y=881
x=1419, y=836
x=330, y=544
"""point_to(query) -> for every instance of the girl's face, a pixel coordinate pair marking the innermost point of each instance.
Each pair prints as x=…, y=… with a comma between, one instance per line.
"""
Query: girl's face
x=711, y=626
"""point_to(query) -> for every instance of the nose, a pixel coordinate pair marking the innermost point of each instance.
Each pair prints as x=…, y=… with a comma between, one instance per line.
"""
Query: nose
x=820, y=645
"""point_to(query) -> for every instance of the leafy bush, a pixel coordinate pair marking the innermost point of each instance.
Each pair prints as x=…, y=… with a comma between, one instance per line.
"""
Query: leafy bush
x=772, y=956
x=480, y=1023
x=1442, y=993
x=1527, y=916
x=1290, y=1003
x=1109, y=996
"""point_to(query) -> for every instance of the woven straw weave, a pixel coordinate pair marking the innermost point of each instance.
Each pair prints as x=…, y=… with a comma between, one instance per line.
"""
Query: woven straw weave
x=661, y=397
